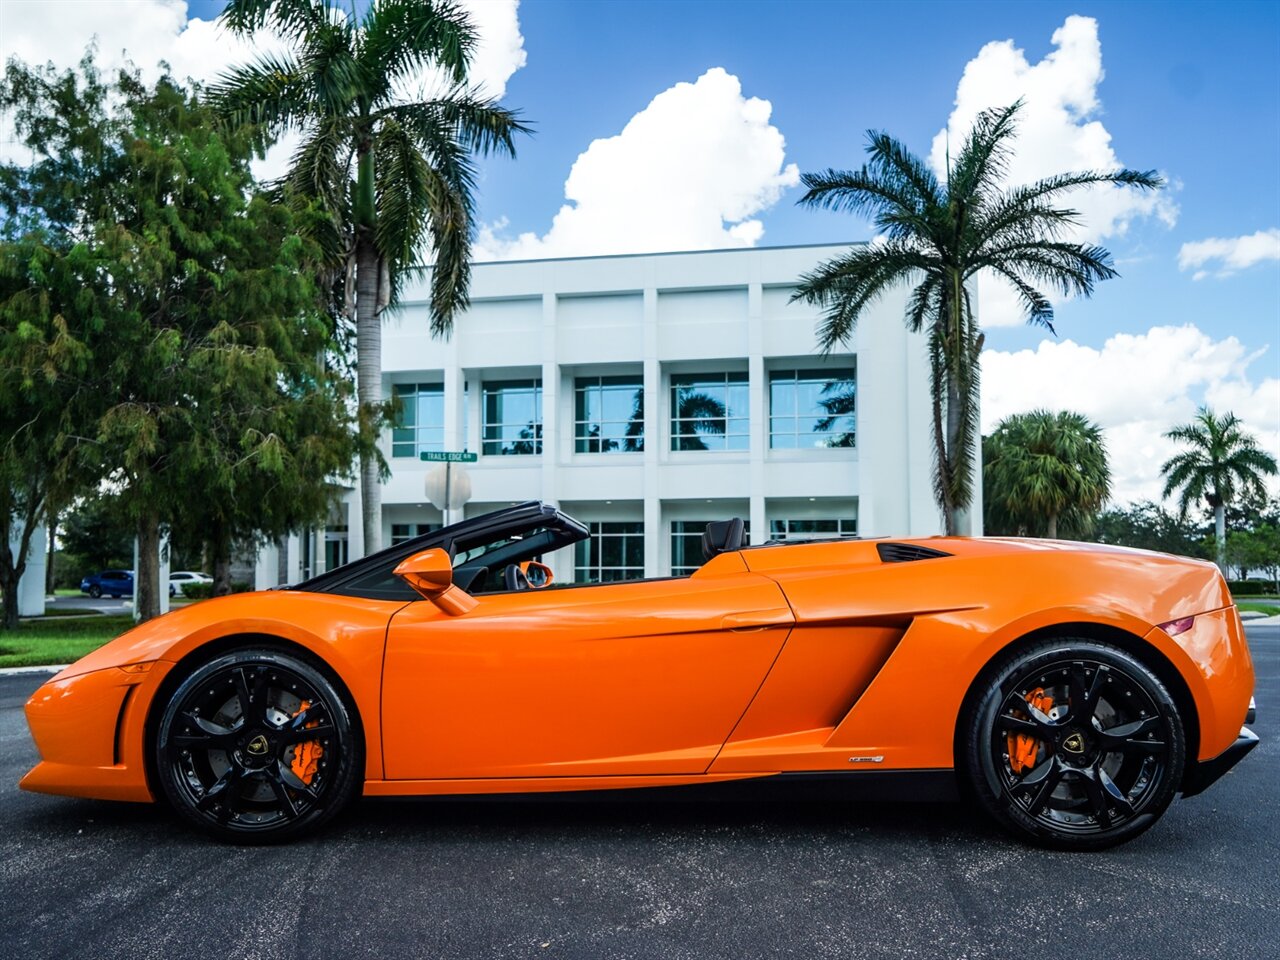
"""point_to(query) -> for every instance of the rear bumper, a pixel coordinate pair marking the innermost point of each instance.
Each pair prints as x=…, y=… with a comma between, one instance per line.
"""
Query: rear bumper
x=1204, y=774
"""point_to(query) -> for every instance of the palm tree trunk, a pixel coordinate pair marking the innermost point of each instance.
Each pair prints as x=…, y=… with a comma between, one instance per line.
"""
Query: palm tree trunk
x=1051, y=530
x=1220, y=534
x=368, y=381
x=941, y=466
x=146, y=580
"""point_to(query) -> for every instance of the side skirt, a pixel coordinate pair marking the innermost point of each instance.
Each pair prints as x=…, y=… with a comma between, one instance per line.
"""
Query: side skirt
x=873, y=786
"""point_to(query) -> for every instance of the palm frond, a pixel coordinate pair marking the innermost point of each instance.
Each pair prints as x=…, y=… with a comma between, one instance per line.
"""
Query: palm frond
x=847, y=285
x=1038, y=308
x=479, y=125
x=289, y=18
x=402, y=36
x=322, y=163
x=272, y=92
x=894, y=210
x=984, y=157
x=894, y=161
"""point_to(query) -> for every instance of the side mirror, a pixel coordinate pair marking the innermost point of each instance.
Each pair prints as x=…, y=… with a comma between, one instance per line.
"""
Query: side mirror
x=538, y=574
x=430, y=574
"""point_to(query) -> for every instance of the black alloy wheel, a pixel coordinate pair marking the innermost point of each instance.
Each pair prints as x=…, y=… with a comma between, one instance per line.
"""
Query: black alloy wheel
x=1075, y=745
x=258, y=746
x=95, y=591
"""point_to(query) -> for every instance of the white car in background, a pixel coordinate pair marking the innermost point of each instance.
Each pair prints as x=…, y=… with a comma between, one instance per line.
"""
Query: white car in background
x=180, y=580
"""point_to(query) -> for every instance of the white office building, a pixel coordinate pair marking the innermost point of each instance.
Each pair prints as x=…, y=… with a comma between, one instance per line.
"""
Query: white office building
x=645, y=395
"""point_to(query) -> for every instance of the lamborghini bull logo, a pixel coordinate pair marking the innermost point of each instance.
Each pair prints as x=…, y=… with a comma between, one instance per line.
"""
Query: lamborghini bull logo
x=257, y=746
x=1074, y=743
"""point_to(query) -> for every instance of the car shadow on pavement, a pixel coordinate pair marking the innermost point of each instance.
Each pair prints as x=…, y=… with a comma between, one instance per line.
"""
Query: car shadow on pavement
x=424, y=820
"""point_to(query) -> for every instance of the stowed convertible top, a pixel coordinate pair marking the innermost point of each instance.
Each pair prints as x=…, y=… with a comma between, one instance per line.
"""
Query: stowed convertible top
x=372, y=576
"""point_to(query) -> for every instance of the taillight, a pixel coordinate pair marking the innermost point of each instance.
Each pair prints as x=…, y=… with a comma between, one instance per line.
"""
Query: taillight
x=1175, y=627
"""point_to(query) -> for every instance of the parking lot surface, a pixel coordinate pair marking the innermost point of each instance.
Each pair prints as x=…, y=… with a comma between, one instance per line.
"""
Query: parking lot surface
x=678, y=879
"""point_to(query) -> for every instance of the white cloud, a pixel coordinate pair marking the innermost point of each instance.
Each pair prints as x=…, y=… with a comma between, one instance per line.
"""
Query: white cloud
x=687, y=172
x=1136, y=387
x=499, y=51
x=149, y=31
x=1232, y=254
x=1058, y=132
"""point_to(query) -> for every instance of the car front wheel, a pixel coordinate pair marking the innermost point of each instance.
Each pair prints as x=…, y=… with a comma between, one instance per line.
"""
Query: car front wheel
x=95, y=591
x=258, y=746
x=1073, y=744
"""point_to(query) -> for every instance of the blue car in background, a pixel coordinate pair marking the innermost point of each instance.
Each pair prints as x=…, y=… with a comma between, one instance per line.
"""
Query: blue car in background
x=115, y=583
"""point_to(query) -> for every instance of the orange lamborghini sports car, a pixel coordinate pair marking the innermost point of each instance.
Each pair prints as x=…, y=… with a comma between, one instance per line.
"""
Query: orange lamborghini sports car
x=1070, y=690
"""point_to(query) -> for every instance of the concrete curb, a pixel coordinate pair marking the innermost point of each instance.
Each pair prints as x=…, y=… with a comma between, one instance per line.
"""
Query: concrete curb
x=1263, y=621
x=15, y=671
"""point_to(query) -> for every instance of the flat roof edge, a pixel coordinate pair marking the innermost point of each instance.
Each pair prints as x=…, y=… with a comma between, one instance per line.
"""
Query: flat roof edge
x=665, y=253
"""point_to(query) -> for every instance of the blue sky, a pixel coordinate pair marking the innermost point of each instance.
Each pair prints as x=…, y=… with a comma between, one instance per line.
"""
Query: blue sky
x=1190, y=89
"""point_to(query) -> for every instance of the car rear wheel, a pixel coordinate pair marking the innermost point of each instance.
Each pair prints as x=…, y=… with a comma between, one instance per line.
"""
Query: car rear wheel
x=258, y=746
x=1073, y=744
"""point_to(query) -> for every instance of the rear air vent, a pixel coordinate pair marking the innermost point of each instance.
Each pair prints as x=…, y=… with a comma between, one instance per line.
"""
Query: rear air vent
x=906, y=552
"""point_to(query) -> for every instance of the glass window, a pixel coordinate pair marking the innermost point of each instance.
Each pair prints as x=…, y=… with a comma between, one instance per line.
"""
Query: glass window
x=400, y=532
x=513, y=417
x=709, y=411
x=608, y=415
x=614, y=551
x=811, y=408
x=823, y=529
x=686, y=545
x=419, y=425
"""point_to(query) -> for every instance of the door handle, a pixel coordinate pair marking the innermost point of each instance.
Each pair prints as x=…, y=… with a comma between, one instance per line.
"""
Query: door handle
x=757, y=619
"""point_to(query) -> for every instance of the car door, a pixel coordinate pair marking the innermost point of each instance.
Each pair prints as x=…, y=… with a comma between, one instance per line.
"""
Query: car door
x=646, y=677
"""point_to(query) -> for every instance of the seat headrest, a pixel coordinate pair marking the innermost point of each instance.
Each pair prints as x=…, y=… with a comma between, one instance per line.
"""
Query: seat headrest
x=722, y=536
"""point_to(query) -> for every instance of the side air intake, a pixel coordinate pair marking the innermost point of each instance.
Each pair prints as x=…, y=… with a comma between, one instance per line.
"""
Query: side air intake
x=906, y=552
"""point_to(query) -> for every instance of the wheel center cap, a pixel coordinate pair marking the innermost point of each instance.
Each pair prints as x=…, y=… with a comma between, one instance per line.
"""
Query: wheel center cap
x=258, y=746
x=1074, y=743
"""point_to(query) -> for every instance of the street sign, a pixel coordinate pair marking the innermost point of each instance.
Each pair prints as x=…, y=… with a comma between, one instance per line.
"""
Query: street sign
x=448, y=456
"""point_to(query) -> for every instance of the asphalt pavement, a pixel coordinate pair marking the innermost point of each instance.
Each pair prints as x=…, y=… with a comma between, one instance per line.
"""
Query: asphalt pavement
x=463, y=879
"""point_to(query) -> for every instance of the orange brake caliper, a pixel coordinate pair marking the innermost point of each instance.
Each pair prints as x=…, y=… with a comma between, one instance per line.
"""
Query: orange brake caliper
x=1022, y=746
x=306, y=755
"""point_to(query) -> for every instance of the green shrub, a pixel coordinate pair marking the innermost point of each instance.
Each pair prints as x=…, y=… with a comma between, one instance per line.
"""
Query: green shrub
x=1248, y=588
x=203, y=591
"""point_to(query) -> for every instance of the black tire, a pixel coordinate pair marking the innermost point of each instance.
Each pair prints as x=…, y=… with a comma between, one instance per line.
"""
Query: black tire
x=258, y=746
x=1068, y=777
x=95, y=591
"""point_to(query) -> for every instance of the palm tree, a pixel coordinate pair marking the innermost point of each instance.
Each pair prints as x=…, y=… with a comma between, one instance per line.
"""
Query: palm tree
x=938, y=237
x=411, y=196
x=1040, y=468
x=1223, y=464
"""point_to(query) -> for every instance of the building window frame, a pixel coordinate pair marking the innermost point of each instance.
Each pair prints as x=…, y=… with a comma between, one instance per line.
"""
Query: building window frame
x=787, y=418
x=791, y=529
x=612, y=552
x=410, y=436
x=628, y=439
x=403, y=532
x=716, y=387
x=495, y=434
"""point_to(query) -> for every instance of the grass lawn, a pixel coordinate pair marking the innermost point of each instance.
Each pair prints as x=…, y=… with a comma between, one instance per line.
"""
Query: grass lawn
x=58, y=641
x=69, y=612
x=1270, y=609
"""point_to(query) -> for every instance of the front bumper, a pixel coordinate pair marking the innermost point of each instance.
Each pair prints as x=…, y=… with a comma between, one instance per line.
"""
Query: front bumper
x=88, y=730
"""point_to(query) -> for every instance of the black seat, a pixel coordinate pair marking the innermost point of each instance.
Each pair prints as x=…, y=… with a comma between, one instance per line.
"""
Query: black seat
x=722, y=536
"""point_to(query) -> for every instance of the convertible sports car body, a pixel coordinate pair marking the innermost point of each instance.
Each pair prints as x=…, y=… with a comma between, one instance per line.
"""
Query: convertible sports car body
x=1069, y=689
